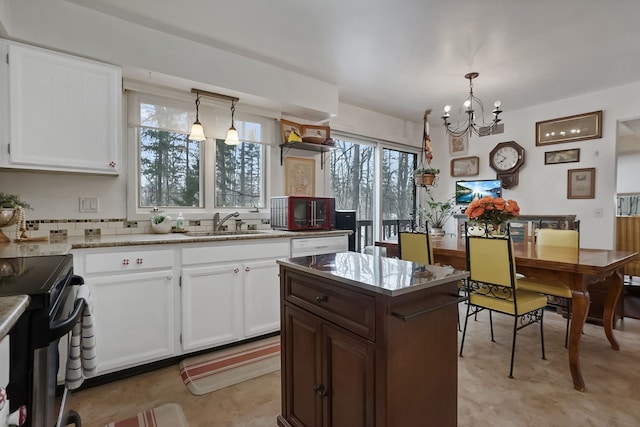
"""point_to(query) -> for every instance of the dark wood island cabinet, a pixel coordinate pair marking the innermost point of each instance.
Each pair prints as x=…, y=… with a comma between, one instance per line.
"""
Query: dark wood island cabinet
x=368, y=341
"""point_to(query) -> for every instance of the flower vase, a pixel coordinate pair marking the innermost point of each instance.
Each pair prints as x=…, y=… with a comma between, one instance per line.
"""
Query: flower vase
x=437, y=232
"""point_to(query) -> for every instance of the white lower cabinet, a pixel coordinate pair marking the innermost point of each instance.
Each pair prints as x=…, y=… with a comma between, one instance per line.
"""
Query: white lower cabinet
x=211, y=306
x=159, y=301
x=230, y=292
x=134, y=295
x=261, y=287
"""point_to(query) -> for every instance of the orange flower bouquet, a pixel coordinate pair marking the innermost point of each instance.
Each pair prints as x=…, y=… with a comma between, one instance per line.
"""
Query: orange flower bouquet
x=492, y=211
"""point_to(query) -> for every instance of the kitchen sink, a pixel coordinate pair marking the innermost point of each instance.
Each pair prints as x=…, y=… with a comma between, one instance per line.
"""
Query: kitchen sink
x=222, y=233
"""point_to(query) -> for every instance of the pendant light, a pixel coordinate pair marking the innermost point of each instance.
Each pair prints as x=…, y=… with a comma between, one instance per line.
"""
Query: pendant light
x=197, y=132
x=232, y=133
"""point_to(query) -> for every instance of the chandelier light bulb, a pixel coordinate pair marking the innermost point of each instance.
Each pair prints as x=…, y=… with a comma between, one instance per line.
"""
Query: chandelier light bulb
x=497, y=104
x=447, y=108
x=467, y=104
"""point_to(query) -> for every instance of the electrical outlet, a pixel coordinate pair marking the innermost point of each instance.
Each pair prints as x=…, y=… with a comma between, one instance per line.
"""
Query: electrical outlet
x=89, y=204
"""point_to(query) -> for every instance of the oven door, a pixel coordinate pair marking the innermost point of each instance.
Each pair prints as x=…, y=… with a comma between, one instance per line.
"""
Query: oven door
x=64, y=314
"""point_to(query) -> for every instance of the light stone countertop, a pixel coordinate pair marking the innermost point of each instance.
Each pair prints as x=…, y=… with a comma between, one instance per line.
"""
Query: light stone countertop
x=28, y=249
x=10, y=310
x=387, y=276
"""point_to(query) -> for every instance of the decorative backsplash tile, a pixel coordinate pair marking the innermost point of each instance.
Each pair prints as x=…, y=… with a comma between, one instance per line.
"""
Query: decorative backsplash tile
x=91, y=232
x=60, y=229
x=57, y=235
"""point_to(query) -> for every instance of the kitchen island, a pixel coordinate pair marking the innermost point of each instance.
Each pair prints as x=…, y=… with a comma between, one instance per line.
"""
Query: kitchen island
x=368, y=341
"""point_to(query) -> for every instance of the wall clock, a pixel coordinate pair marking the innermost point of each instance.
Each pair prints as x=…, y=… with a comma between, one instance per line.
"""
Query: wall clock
x=506, y=159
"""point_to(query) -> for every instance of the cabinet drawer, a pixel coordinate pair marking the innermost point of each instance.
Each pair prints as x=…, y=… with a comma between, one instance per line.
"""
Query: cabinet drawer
x=319, y=245
x=234, y=251
x=350, y=309
x=127, y=261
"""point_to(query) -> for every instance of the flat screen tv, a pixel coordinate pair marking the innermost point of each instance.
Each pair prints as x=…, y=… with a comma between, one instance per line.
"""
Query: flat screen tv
x=466, y=191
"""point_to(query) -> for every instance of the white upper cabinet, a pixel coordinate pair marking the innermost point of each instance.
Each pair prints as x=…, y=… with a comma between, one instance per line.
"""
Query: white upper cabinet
x=64, y=112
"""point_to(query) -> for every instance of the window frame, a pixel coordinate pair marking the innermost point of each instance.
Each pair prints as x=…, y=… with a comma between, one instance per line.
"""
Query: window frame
x=215, y=117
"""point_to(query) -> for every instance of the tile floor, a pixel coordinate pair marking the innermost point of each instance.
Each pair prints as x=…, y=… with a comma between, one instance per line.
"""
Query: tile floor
x=541, y=394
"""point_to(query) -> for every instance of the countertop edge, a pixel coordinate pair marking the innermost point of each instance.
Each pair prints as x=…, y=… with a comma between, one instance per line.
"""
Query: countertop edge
x=11, y=308
x=22, y=249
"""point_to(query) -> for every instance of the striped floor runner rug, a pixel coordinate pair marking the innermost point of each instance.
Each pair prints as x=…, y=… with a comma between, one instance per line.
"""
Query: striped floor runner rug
x=168, y=415
x=212, y=371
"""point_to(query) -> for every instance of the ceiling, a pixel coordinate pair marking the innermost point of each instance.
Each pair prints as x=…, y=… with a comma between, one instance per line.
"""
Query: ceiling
x=402, y=57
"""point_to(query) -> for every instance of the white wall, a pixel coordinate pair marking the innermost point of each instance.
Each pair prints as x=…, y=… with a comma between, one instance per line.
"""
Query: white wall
x=628, y=173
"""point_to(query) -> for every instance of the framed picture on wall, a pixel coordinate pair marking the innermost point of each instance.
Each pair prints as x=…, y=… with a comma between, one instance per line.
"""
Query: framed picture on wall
x=299, y=176
x=465, y=166
x=581, y=183
x=458, y=145
x=562, y=156
x=569, y=129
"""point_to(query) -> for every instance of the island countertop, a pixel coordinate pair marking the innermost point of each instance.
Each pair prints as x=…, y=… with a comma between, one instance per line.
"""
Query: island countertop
x=388, y=276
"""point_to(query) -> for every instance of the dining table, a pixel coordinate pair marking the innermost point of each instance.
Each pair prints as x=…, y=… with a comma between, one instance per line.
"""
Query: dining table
x=577, y=268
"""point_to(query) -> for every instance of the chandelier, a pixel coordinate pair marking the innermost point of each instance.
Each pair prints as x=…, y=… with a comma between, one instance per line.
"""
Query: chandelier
x=471, y=105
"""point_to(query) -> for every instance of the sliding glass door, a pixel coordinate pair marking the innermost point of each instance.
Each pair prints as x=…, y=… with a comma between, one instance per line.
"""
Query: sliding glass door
x=377, y=183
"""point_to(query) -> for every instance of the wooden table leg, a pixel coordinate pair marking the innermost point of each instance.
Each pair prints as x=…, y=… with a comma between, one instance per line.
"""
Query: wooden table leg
x=580, y=303
x=613, y=293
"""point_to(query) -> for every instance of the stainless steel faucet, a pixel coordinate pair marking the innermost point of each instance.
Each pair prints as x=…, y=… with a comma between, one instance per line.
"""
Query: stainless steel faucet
x=217, y=222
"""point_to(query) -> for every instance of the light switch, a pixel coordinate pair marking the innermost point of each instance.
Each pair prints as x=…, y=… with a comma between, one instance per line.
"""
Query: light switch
x=89, y=204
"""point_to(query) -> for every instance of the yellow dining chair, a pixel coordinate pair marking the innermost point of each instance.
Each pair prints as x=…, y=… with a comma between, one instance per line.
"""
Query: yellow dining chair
x=492, y=285
x=415, y=247
x=548, y=237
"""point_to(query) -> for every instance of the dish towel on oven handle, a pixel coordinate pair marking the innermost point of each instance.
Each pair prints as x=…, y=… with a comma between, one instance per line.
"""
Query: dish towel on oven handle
x=82, y=362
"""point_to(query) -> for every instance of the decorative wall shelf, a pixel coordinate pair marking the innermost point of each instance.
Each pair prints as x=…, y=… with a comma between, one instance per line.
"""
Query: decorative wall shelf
x=319, y=148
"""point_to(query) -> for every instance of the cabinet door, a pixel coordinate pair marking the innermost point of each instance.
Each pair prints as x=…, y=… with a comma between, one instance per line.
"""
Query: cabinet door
x=65, y=112
x=134, y=318
x=261, y=297
x=348, y=372
x=302, y=405
x=211, y=305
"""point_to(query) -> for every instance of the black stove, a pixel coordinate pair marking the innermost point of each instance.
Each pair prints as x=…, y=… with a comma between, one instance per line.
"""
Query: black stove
x=53, y=310
x=40, y=277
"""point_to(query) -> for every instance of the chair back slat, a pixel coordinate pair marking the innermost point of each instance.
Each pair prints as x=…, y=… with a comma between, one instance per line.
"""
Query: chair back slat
x=559, y=238
x=415, y=247
x=488, y=260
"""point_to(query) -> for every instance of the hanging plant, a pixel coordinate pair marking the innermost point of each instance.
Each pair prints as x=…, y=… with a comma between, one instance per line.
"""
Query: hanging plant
x=425, y=174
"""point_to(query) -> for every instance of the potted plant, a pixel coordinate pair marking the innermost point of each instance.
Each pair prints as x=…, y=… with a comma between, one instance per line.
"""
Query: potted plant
x=160, y=221
x=11, y=211
x=12, y=201
x=425, y=176
x=437, y=213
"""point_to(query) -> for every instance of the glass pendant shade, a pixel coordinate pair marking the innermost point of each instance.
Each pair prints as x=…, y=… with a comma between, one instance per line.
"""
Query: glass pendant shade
x=232, y=137
x=197, y=132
